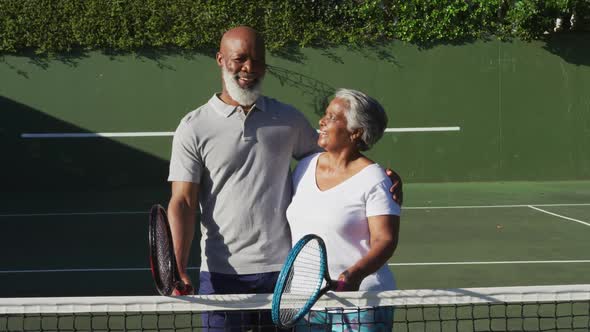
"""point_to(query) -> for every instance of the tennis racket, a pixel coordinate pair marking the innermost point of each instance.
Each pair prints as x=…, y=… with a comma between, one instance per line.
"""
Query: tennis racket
x=300, y=281
x=162, y=258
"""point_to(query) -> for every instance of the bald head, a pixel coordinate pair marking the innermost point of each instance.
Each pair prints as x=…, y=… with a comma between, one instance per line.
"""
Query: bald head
x=241, y=35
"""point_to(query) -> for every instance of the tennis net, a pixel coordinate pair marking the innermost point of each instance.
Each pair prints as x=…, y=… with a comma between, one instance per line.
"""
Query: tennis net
x=531, y=308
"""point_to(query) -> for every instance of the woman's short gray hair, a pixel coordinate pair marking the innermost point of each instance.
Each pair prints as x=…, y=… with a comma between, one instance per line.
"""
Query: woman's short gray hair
x=364, y=113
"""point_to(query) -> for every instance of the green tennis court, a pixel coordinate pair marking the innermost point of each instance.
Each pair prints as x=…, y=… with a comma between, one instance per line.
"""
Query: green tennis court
x=453, y=235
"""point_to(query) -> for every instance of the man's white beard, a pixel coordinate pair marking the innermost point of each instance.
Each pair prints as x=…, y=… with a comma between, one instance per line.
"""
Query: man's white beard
x=244, y=97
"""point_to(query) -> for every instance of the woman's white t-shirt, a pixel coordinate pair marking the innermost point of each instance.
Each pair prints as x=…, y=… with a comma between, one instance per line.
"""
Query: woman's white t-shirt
x=339, y=216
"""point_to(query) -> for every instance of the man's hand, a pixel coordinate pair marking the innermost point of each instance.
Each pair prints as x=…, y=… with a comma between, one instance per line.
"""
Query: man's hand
x=397, y=189
x=182, y=288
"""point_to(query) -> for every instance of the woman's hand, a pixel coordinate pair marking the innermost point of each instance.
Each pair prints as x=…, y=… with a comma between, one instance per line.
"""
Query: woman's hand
x=349, y=281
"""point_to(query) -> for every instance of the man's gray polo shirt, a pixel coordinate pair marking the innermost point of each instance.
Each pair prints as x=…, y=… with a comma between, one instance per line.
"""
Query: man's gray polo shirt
x=242, y=164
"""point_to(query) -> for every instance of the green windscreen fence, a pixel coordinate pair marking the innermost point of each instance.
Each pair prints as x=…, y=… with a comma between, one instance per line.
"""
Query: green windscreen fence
x=480, y=111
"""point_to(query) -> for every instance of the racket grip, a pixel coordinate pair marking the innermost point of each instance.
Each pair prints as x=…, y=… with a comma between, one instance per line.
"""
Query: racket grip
x=340, y=285
x=182, y=289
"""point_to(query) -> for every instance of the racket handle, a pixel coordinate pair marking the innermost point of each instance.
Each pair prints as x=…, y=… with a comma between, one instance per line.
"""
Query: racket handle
x=340, y=285
x=183, y=289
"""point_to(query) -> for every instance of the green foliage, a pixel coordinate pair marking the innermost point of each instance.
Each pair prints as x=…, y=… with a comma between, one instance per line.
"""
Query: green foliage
x=529, y=19
x=450, y=20
x=49, y=26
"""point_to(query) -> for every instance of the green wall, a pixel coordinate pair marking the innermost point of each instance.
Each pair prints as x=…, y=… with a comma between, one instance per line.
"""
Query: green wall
x=523, y=108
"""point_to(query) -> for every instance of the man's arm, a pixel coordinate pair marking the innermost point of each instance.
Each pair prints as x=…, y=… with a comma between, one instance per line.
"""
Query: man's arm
x=307, y=138
x=181, y=214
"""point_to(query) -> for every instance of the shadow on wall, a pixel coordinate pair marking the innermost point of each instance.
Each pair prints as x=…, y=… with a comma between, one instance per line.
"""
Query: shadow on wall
x=71, y=59
x=307, y=86
x=159, y=57
x=68, y=163
x=572, y=47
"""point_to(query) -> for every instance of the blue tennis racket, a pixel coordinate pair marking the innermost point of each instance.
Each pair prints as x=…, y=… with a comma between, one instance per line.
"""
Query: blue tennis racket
x=300, y=282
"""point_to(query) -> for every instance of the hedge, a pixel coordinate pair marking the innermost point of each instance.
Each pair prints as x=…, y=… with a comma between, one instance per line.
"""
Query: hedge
x=58, y=26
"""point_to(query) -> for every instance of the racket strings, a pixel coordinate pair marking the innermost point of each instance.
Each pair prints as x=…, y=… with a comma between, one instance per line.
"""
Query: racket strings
x=304, y=281
x=163, y=250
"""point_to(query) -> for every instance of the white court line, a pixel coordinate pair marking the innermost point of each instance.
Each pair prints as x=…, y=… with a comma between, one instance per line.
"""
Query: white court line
x=95, y=135
x=171, y=133
x=76, y=270
x=560, y=216
x=115, y=269
x=421, y=129
x=70, y=214
x=13, y=215
x=489, y=206
x=390, y=264
x=491, y=263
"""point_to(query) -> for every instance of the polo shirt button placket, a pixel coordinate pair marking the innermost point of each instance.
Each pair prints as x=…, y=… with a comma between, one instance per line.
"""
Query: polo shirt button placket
x=246, y=130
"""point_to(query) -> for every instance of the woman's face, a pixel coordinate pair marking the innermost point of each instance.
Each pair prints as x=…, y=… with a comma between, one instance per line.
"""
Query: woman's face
x=333, y=133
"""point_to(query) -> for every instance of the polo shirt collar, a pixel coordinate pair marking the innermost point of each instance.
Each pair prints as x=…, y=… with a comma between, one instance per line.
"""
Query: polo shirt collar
x=226, y=110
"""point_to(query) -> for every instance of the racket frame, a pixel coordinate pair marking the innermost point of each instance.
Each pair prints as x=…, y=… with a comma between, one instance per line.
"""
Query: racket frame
x=284, y=274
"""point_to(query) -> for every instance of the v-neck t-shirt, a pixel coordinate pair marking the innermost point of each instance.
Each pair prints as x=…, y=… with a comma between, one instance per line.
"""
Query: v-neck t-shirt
x=339, y=215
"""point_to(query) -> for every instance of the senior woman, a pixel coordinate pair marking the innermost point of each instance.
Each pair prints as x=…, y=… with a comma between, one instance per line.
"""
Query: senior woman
x=344, y=197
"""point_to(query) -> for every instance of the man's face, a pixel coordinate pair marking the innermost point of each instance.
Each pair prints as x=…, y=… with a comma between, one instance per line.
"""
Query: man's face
x=244, y=60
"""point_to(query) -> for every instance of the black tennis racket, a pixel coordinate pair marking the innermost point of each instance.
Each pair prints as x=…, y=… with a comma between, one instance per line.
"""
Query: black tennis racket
x=304, y=278
x=162, y=258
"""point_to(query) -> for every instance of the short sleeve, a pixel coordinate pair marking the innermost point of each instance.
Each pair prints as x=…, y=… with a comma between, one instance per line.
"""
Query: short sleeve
x=380, y=202
x=185, y=162
x=304, y=167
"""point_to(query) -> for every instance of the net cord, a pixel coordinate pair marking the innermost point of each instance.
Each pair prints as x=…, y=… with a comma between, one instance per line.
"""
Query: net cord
x=195, y=303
